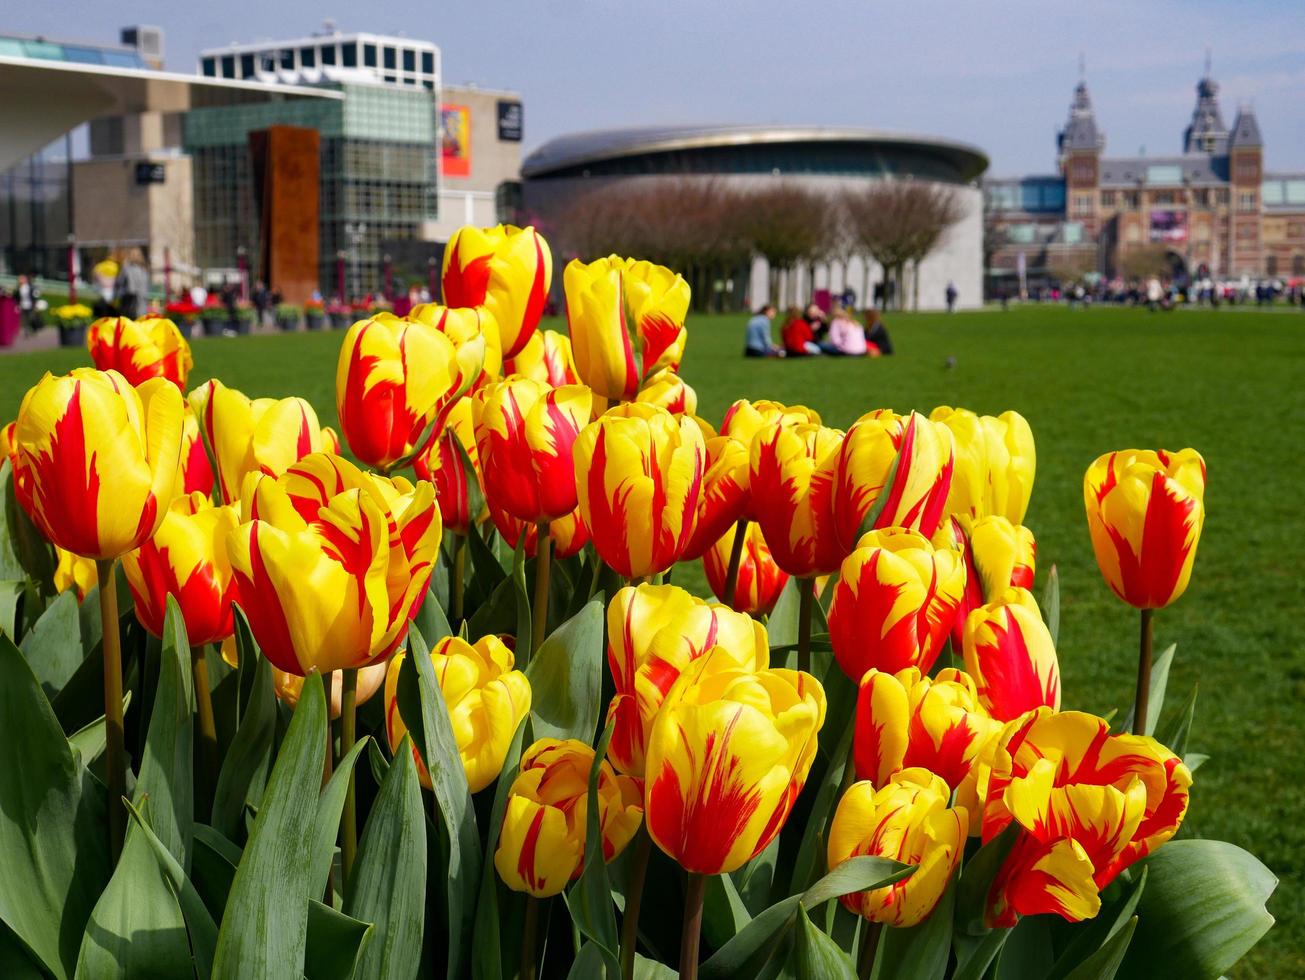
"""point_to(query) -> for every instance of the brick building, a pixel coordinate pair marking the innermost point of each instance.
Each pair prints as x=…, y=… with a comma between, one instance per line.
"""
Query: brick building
x=1210, y=210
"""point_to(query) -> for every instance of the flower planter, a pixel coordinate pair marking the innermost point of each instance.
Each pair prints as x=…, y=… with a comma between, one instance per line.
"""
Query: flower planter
x=214, y=328
x=241, y=326
x=314, y=321
x=287, y=324
x=341, y=320
x=72, y=336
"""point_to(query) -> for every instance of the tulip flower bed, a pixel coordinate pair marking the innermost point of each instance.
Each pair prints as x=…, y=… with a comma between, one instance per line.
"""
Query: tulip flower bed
x=536, y=752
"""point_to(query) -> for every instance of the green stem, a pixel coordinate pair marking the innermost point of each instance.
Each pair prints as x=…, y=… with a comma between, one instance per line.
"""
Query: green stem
x=633, y=902
x=529, y=941
x=1140, y=703
x=459, y=578
x=865, y=963
x=348, y=734
x=689, y=938
x=208, y=747
x=806, y=605
x=543, y=568
x=327, y=768
x=113, y=737
x=736, y=559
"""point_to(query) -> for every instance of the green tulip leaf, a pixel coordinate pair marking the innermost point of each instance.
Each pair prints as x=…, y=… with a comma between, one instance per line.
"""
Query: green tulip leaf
x=388, y=883
x=723, y=911
x=1051, y=605
x=815, y=956
x=327, y=822
x=922, y=951
x=590, y=900
x=499, y=614
x=487, y=964
x=53, y=646
x=977, y=876
x=53, y=825
x=431, y=621
x=243, y=778
x=213, y=862
x=264, y=930
x=1105, y=962
x=566, y=678
x=336, y=943
x=89, y=742
x=1091, y=936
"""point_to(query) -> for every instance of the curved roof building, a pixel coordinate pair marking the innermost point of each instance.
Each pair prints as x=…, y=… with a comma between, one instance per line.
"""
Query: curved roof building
x=829, y=158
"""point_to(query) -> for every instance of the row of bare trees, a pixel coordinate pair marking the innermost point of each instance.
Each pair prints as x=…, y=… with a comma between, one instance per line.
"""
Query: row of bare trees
x=710, y=229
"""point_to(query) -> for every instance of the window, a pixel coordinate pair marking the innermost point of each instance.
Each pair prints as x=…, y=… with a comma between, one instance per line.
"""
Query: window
x=349, y=55
x=209, y=67
x=391, y=79
x=288, y=58
x=308, y=57
x=428, y=62
x=1107, y=199
x=1082, y=204
x=409, y=60
x=246, y=66
x=268, y=61
x=1132, y=233
x=1164, y=197
x=389, y=58
x=1201, y=197
x=1298, y=265
x=1271, y=265
x=1130, y=199
x=328, y=54
x=430, y=85
x=228, y=66
x=369, y=56
x=1246, y=200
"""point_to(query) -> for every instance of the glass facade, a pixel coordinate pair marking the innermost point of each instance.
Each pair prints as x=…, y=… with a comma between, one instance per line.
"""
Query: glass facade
x=34, y=214
x=14, y=47
x=377, y=169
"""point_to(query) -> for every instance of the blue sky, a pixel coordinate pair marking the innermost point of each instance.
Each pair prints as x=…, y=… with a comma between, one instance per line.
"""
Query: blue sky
x=996, y=73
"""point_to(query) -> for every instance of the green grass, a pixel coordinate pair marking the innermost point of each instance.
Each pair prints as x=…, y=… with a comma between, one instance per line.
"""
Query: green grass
x=1227, y=383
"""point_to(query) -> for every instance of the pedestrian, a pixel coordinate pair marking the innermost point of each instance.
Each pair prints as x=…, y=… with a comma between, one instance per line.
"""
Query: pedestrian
x=876, y=334
x=262, y=300
x=28, y=297
x=131, y=289
x=757, y=341
x=951, y=297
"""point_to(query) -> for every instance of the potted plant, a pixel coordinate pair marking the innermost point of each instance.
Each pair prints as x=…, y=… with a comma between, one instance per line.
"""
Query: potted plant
x=341, y=315
x=71, y=319
x=314, y=314
x=184, y=313
x=214, y=318
x=245, y=317
x=287, y=316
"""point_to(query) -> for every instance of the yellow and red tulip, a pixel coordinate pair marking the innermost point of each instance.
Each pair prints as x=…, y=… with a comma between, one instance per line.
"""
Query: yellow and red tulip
x=546, y=357
x=728, y=755
x=724, y=493
x=260, y=435
x=1089, y=803
x=922, y=452
x=151, y=347
x=486, y=697
x=453, y=470
x=996, y=462
x=894, y=603
x=909, y=720
x=525, y=435
x=393, y=379
x=744, y=419
x=186, y=559
x=8, y=444
x=626, y=321
x=905, y=819
x=507, y=270
x=1005, y=554
x=667, y=389
x=568, y=532
x=96, y=459
x=74, y=572
x=289, y=686
x=462, y=325
x=1145, y=511
x=639, y=477
x=541, y=847
x=1009, y=653
x=333, y=563
x=194, y=471
x=760, y=580
x=790, y=480
x=654, y=632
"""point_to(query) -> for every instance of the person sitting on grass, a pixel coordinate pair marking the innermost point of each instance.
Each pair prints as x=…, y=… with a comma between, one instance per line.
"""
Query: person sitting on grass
x=846, y=336
x=876, y=334
x=757, y=342
x=799, y=338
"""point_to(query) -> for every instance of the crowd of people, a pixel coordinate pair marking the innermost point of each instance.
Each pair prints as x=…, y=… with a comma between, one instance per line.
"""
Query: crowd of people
x=1157, y=293
x=814, y=333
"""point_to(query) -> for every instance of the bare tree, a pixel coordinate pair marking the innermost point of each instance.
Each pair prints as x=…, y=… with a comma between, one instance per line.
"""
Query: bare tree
x=1144, y=261
x=787, y=225
x=898, y=224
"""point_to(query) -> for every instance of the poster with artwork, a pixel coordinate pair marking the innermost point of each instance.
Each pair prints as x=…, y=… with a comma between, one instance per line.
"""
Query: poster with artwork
x=1169, y=227
x=455, y=140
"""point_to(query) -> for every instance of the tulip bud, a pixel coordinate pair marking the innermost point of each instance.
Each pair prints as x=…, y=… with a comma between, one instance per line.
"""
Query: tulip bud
x=151, y=347
x=1004, y=554
x=1145, y=511
x=920, y=450
x=667, y=389
x=546, y=357
x=610, y=299
x=1009, y=653
x=525, y=433
x=568, y=532
x=995, y=463
x=541, y=847
x=654, y=633
x=760, y=580
x=462, y=325
x=507, y=270
x=1090, y=804
x=894, y=603
x=790, y=479
x=487, y=700
x=906, y=820
x=639, y=476
x=96, y=459
x=74, y=572
x=729, y=753
x=289, y=686
x=187, y=559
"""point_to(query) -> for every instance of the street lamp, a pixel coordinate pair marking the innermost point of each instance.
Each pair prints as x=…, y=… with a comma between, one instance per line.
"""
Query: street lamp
x=242, y=267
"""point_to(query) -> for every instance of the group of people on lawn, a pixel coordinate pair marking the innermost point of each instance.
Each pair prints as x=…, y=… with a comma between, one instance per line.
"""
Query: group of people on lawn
x=813, y=333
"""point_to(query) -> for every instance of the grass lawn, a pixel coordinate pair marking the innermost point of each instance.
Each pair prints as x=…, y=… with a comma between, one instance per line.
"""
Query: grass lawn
x=1227, y=383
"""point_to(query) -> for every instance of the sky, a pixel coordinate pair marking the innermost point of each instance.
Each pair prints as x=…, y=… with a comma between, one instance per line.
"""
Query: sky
x=995, y=73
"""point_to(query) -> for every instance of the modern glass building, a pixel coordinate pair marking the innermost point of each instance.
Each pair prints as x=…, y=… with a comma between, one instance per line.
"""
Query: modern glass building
x=377, y=172
x=393, y=60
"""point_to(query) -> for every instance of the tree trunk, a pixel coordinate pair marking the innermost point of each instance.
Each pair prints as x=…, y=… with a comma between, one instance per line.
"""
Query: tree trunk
x=867, y=301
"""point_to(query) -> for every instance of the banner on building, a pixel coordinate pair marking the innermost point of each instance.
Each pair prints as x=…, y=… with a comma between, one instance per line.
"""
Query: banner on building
x=509, y=120
x=455, y=140
x=1169, y=227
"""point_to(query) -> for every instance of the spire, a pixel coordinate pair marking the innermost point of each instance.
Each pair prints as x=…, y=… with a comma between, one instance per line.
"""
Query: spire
x=1245, y=129
x=1080, y=132
x=1206, y=133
